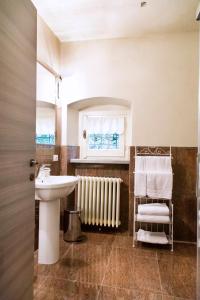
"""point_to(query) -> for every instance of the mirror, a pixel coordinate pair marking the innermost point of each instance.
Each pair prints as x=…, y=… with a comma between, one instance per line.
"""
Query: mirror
x=45, y=106
x=45, y=123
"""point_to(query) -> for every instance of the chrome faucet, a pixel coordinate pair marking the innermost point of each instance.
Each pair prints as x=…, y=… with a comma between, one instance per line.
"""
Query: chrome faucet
x=43, y=171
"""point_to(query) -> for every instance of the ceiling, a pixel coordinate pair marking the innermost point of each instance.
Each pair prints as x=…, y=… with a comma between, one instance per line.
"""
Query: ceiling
x=75, y=20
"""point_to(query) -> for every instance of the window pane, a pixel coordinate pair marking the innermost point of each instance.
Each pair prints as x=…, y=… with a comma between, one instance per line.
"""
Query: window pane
x=104, y=141
x=47, y=139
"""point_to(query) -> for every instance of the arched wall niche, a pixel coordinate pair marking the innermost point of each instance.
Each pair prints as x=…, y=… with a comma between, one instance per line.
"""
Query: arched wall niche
x=94, y=103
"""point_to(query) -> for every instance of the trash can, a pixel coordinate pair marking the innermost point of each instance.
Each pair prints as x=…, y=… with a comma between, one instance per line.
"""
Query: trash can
x=72, y=226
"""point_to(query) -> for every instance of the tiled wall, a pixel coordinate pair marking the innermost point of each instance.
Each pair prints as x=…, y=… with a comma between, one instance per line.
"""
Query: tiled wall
x=184, y=193
x=44, y=155
x=184, y=168
x=67, y=153
x=66, y=168
x=184, y=198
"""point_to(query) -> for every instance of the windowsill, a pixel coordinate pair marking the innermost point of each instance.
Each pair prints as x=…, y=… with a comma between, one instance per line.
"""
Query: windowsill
x=99, y=161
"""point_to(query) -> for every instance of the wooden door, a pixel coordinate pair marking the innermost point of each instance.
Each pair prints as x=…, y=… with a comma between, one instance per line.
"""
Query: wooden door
x=198, y=180
x=17, y=147
x=198, y=219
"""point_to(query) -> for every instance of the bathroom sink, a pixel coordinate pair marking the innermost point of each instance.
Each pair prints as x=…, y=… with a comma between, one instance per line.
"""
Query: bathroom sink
x=54, y=187
x=49, y=191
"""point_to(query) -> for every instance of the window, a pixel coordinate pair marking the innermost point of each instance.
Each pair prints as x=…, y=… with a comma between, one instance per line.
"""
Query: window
x=103, y=141
x=102, y=133
x=47, y=139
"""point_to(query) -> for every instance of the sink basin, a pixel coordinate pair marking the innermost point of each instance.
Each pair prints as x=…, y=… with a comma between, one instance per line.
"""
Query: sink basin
x=49, y=191
x=54, y=187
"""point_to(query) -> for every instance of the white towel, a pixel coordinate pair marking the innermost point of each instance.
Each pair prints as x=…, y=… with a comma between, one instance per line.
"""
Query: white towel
x=156, y=209
x=152, y=237
x=140, y=184
x=140, y=179
x=159, y=185
x=153, y=219
x=140, y=164
x=160, y=164
x=153, y=177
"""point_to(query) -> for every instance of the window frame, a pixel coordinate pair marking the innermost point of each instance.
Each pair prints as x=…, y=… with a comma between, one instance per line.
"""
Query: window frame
x=86, y=153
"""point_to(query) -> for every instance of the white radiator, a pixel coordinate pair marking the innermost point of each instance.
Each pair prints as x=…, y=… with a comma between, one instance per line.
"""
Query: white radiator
x=98, y=199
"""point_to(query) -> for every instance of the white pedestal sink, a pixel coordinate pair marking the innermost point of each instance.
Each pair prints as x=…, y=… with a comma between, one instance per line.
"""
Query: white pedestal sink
x=49, y=191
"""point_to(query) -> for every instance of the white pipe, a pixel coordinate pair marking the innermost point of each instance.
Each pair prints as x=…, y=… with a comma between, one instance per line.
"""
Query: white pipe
x=105, y=202
x=102, y=201
x=118, y=203
x=109, y=202
x=82, y=197
x=113, y=202
x=90, y=201
x=94, y=197
x=86, y=200
x=98, y=197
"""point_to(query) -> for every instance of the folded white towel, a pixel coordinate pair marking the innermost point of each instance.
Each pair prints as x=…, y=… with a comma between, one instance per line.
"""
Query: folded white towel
x=160, y=164
x=153, y=219
x=156, y=209
x=152, y=237
x=140, y=184
x=159, y=185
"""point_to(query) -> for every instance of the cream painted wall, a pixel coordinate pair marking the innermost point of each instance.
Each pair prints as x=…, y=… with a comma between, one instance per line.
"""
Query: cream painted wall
x=48, y=46
x=72, y=137
x=157, y=74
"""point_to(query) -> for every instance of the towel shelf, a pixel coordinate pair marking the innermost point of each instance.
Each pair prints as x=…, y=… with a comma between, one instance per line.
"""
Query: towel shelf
x=152, y=237
x=149, y=224
x=148, y=198
x=153, y=223
x=149, y=219
x=168, y=241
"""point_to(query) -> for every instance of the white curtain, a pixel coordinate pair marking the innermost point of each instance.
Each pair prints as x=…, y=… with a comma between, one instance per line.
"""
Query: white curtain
x=105, y=124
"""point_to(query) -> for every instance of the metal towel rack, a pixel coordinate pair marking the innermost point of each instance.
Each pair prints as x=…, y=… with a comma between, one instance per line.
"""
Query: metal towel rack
x=153, y=226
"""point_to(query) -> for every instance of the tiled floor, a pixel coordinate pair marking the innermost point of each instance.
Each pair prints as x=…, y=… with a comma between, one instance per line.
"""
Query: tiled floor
x=106, y=267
